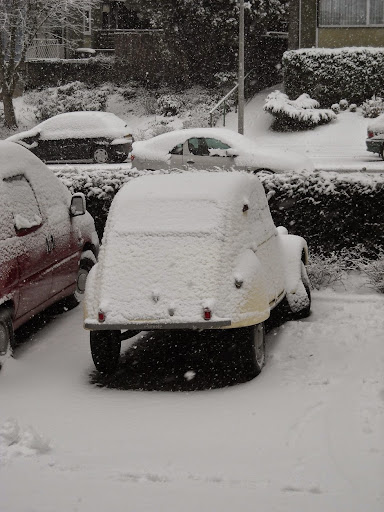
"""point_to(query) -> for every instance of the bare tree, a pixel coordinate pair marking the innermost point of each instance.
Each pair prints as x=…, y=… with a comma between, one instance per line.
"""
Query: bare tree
x=20, y=23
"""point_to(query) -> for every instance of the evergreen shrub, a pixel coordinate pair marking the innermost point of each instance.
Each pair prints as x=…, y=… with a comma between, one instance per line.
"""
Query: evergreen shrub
x=353, y=74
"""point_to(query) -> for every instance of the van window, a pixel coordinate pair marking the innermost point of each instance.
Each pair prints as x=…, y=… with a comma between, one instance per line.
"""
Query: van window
x=23, y=203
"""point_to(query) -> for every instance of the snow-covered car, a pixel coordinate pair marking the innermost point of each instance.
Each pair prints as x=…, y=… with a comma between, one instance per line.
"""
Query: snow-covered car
x=48, y=241
x=193, y=251
x=375, y=140
x=99, y=137
x=212, y=148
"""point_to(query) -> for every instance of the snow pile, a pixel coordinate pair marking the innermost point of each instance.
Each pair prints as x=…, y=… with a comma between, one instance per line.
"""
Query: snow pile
x=16, y=440
x=377, y=126
x=296, y=114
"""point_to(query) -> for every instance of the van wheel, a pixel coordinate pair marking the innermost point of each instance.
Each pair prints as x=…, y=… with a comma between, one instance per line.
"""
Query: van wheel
x=82, y=274
x=100, y=155
x=105, y=350
x=6, y=335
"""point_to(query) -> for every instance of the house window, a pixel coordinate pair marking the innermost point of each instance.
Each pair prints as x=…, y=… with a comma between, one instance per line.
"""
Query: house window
x=351, y=13
x=87, y=26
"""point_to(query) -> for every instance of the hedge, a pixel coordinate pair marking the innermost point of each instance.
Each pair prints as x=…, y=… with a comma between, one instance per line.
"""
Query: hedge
x=331, y=211
x=330, y=75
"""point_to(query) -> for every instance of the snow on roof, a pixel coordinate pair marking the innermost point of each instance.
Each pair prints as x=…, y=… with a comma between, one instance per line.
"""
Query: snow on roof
x=249, y=154
x=78, y=125
x=15, y=158
x=377, y=125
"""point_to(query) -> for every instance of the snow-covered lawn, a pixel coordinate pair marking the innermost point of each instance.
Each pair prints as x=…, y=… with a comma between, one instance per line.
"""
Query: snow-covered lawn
x=307, y=434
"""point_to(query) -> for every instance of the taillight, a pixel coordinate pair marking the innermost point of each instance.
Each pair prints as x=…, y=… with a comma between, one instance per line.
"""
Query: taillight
x=101, y=317
x=370, y=134
x=207, y=314
x=132, y=157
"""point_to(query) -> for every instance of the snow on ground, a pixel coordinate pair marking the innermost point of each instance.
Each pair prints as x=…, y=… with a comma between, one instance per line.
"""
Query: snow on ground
x=307, y=434
x=337, y=146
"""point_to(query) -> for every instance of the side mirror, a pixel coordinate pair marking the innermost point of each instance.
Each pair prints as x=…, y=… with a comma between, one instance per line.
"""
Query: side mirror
x=78, y=205
x=232, y=152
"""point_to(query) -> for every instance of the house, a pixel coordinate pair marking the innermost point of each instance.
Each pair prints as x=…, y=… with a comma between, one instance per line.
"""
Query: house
x=336, y=23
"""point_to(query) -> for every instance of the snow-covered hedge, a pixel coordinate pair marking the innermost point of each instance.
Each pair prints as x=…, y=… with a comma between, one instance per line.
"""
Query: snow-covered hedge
x=72, y=97
x=332, y=211
x=299, y=114
x=329, y=75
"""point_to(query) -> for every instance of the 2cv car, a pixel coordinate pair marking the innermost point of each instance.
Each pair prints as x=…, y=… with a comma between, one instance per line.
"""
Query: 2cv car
x=193, y=251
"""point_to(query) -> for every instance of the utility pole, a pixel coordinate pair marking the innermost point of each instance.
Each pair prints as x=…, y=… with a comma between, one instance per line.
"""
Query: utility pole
x=240, y=112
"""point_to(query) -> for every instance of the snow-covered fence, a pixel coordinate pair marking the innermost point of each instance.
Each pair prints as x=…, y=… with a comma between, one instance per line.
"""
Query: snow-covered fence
x=332, y=211
x=332, y=74
x=46, y=49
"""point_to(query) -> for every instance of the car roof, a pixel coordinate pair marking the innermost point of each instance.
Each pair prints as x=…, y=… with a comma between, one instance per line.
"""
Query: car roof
x=15, y=158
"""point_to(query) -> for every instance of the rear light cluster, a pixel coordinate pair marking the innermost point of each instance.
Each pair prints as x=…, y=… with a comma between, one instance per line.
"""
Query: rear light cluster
x=101, y=317
x=207, y=314
x=132, y=157
x=370, y=134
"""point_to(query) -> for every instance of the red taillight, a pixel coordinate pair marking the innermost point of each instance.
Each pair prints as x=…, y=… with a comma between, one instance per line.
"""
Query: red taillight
x=101, y=317
x=370, y=134
x=207, y=314
x=132, y=157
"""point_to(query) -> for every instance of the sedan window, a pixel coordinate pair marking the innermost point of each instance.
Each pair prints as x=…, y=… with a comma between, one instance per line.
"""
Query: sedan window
x=216, y=147
x=198, y=146
x=177, y=150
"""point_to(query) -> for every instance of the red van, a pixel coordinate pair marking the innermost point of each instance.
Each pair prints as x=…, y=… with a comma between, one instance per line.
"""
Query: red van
x=48, y=241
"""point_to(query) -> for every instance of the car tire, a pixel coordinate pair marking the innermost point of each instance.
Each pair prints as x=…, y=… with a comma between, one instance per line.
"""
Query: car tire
x=6, y=335
x=382, y=152
x=251, y=341
x=305, y=312
x=85, y=265
x=100, y=155
x=105, y=350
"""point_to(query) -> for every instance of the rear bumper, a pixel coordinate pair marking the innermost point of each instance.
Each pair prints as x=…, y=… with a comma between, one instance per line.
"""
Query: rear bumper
x=375, y=145
x=153, y=326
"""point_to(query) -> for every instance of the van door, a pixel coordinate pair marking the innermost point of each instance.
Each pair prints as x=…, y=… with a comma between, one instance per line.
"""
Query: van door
x=33, y=234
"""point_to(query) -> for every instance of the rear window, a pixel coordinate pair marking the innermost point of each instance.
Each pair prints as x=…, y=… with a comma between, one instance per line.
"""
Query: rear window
x=172, y=216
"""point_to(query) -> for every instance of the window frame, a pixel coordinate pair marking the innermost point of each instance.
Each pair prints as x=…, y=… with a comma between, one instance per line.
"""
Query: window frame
x=367, y=23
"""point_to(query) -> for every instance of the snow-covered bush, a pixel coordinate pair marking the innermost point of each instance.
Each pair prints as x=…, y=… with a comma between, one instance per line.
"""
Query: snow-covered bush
x=352, y=107
x=168, y=105
x=330, y=74
x=71, y=97
x=343, y=104
x=373, y=107
x=375, y=272
x=299, y=114
x=335, y=108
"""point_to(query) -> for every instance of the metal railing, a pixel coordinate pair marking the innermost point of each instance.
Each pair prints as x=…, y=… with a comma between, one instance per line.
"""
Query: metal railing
x=224, y=101
x=46, y=49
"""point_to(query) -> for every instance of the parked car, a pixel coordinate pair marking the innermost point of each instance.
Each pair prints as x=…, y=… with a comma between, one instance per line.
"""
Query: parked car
x=99, y=137
x=193, y=251
x=212, y=148
x=375, y=140
x=48, y=241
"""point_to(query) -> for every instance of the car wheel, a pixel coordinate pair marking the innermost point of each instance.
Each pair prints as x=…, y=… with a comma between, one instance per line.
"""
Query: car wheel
x=382, y=152
x=85, y=265
x=100, y=155
x=6, y=335
x=303, y=313
x=105, y=350
x=251, y=341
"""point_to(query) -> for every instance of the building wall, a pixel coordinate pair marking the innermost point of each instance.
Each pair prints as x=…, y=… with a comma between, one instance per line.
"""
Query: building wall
x=339, y=37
